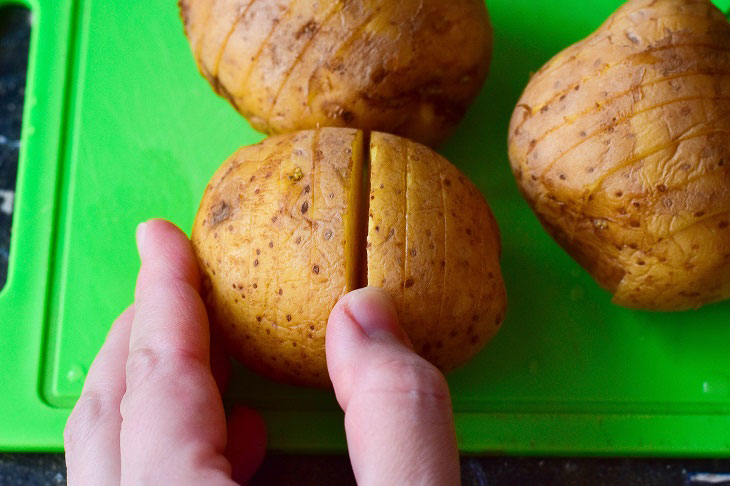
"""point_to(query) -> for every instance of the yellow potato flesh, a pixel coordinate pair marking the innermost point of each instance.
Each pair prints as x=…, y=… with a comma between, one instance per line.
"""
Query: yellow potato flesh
x=620, y=144
x=409, y=67
x=287, y=227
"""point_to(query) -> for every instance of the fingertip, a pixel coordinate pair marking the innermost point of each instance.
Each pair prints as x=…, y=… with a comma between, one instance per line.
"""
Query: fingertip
x=374, y=312
x=140, y=236
x=246, y=446
x=361, y=321
x=166, y=252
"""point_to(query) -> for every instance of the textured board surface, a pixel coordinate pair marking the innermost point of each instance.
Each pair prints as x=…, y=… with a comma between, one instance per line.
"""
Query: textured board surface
x=120, y=127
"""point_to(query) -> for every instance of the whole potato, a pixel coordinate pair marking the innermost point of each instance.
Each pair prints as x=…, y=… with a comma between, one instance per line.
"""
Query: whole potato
x=288, y=226
x=409, y=67
x=621, y=144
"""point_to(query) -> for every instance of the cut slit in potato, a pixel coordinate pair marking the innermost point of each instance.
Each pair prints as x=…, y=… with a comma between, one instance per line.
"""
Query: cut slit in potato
x=290, y=225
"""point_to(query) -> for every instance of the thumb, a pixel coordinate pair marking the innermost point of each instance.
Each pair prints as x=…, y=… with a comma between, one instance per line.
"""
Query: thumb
x=398, y=417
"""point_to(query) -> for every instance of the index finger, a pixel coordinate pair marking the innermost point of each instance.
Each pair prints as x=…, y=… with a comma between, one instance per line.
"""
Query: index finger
x=173, y=423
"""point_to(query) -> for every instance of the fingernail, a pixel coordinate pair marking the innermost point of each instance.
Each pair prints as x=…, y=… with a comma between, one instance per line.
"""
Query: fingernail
x=140, y=234
x=374, y=311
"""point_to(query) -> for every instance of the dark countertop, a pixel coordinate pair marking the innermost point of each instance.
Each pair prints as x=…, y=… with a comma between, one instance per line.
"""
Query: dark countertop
x=50, y=469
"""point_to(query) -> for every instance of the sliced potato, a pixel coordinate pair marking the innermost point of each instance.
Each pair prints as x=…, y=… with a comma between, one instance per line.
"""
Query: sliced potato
x=280, y=236
x=409, y=67
x=620, y=144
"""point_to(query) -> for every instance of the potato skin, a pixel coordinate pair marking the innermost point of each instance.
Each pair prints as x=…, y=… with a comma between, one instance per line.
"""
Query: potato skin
x=620, y=145
x=272, y=238
x=409, y=67
x=271, y=245
x=434, y=246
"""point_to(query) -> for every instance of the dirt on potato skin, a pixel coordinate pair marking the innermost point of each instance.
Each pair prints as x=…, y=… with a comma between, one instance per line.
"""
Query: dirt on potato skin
x=408, y=67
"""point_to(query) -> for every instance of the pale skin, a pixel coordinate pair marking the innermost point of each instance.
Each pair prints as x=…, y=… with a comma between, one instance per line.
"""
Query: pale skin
x=151, y=412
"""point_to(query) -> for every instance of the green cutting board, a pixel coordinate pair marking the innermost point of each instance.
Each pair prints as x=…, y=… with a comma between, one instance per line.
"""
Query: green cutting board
x=119, y=127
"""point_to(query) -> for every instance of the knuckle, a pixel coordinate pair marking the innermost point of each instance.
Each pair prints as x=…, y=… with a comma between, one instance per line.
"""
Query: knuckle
x=89, y=411
x=141, y=363
x=411, y=378
x=145, y=364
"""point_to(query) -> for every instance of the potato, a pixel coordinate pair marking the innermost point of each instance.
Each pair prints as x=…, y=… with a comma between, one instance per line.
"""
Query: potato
x=620, y=144
x=409, y=67
x=290, y=225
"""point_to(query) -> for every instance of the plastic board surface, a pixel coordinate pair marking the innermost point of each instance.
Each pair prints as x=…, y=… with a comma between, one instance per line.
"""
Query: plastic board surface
x=120, y=127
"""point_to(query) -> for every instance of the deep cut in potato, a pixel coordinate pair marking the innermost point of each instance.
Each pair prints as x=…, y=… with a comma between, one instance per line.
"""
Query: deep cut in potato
x=288, y=226
x=621, y=144
x=409, y=67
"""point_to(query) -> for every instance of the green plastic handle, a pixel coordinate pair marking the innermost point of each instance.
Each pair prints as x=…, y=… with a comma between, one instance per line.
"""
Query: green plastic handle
x=24, y=309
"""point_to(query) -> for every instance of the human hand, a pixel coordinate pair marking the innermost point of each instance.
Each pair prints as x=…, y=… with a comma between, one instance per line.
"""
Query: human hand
x=398, y=418
x=160, y=419
x=150, y=410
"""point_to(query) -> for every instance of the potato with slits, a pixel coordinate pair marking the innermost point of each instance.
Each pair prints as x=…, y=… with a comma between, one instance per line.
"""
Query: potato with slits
x=288, y=226
x=409, y=67
x=621, y=144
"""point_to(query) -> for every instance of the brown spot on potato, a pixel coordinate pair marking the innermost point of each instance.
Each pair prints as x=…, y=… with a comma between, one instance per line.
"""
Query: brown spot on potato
x=408, y=283
x=305, y=207
x=307, y=29
x=685, y=293
x=219, y=213
x=661, y=188
x=723, y=224
x=315, y=269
